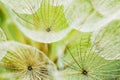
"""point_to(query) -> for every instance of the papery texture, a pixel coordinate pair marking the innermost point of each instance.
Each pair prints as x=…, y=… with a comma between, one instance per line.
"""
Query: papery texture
x=107, y=41
x=81, y=62
x=23, y=6
x=48, y=24
x=83, y=15
x=27, y=63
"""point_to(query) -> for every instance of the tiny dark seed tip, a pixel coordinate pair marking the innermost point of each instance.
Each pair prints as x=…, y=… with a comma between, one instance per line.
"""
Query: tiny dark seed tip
x=30, y=68
x=84, y=72
x=48, y=29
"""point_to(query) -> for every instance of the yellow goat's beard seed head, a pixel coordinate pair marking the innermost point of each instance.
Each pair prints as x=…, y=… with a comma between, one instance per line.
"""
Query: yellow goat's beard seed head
x=28, y=63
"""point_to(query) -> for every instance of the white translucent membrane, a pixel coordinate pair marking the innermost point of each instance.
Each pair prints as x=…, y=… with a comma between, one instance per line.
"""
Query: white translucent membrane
x=81, y=62
x=2, y=39
x=106, y=41
x=27, y=62
x=43, y=36
x=106, y=7
x=95, y=22
x=23, y=6
x=56, y=2
x=47, y=25
x=84, y=16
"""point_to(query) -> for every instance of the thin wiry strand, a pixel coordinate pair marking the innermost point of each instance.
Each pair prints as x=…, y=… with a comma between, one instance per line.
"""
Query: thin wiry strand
x=108, y=63
x=50, y=16
x=24, y=6
x=73, y=7
x=88, y=65
x=104, y=68
x=81, y=14
x=78, y=50
x=106, y=7
x=27, y=62
x=48, y=22
x=106, y=41
x=78, y=12
x=28, y=6
x=79, y=47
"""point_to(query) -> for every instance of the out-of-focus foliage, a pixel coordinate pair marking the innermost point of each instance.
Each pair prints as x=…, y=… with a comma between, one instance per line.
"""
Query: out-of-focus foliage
x=2, y=39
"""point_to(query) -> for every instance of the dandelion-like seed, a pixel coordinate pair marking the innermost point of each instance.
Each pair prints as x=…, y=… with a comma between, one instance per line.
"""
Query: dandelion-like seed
x=83, y=63
x=27, y=63
x=46, y=23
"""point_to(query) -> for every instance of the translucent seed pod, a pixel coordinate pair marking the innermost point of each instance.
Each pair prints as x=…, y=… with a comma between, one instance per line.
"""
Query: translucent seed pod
x=47, y=24
x=107, y=7
x=81, y=62
x=23, y=6
x=27, y=63
x=82, y=15
x=106, y=41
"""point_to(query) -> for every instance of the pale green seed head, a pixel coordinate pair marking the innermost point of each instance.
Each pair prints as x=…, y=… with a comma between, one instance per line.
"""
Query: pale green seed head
x=48, y=24
x=81, y=62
